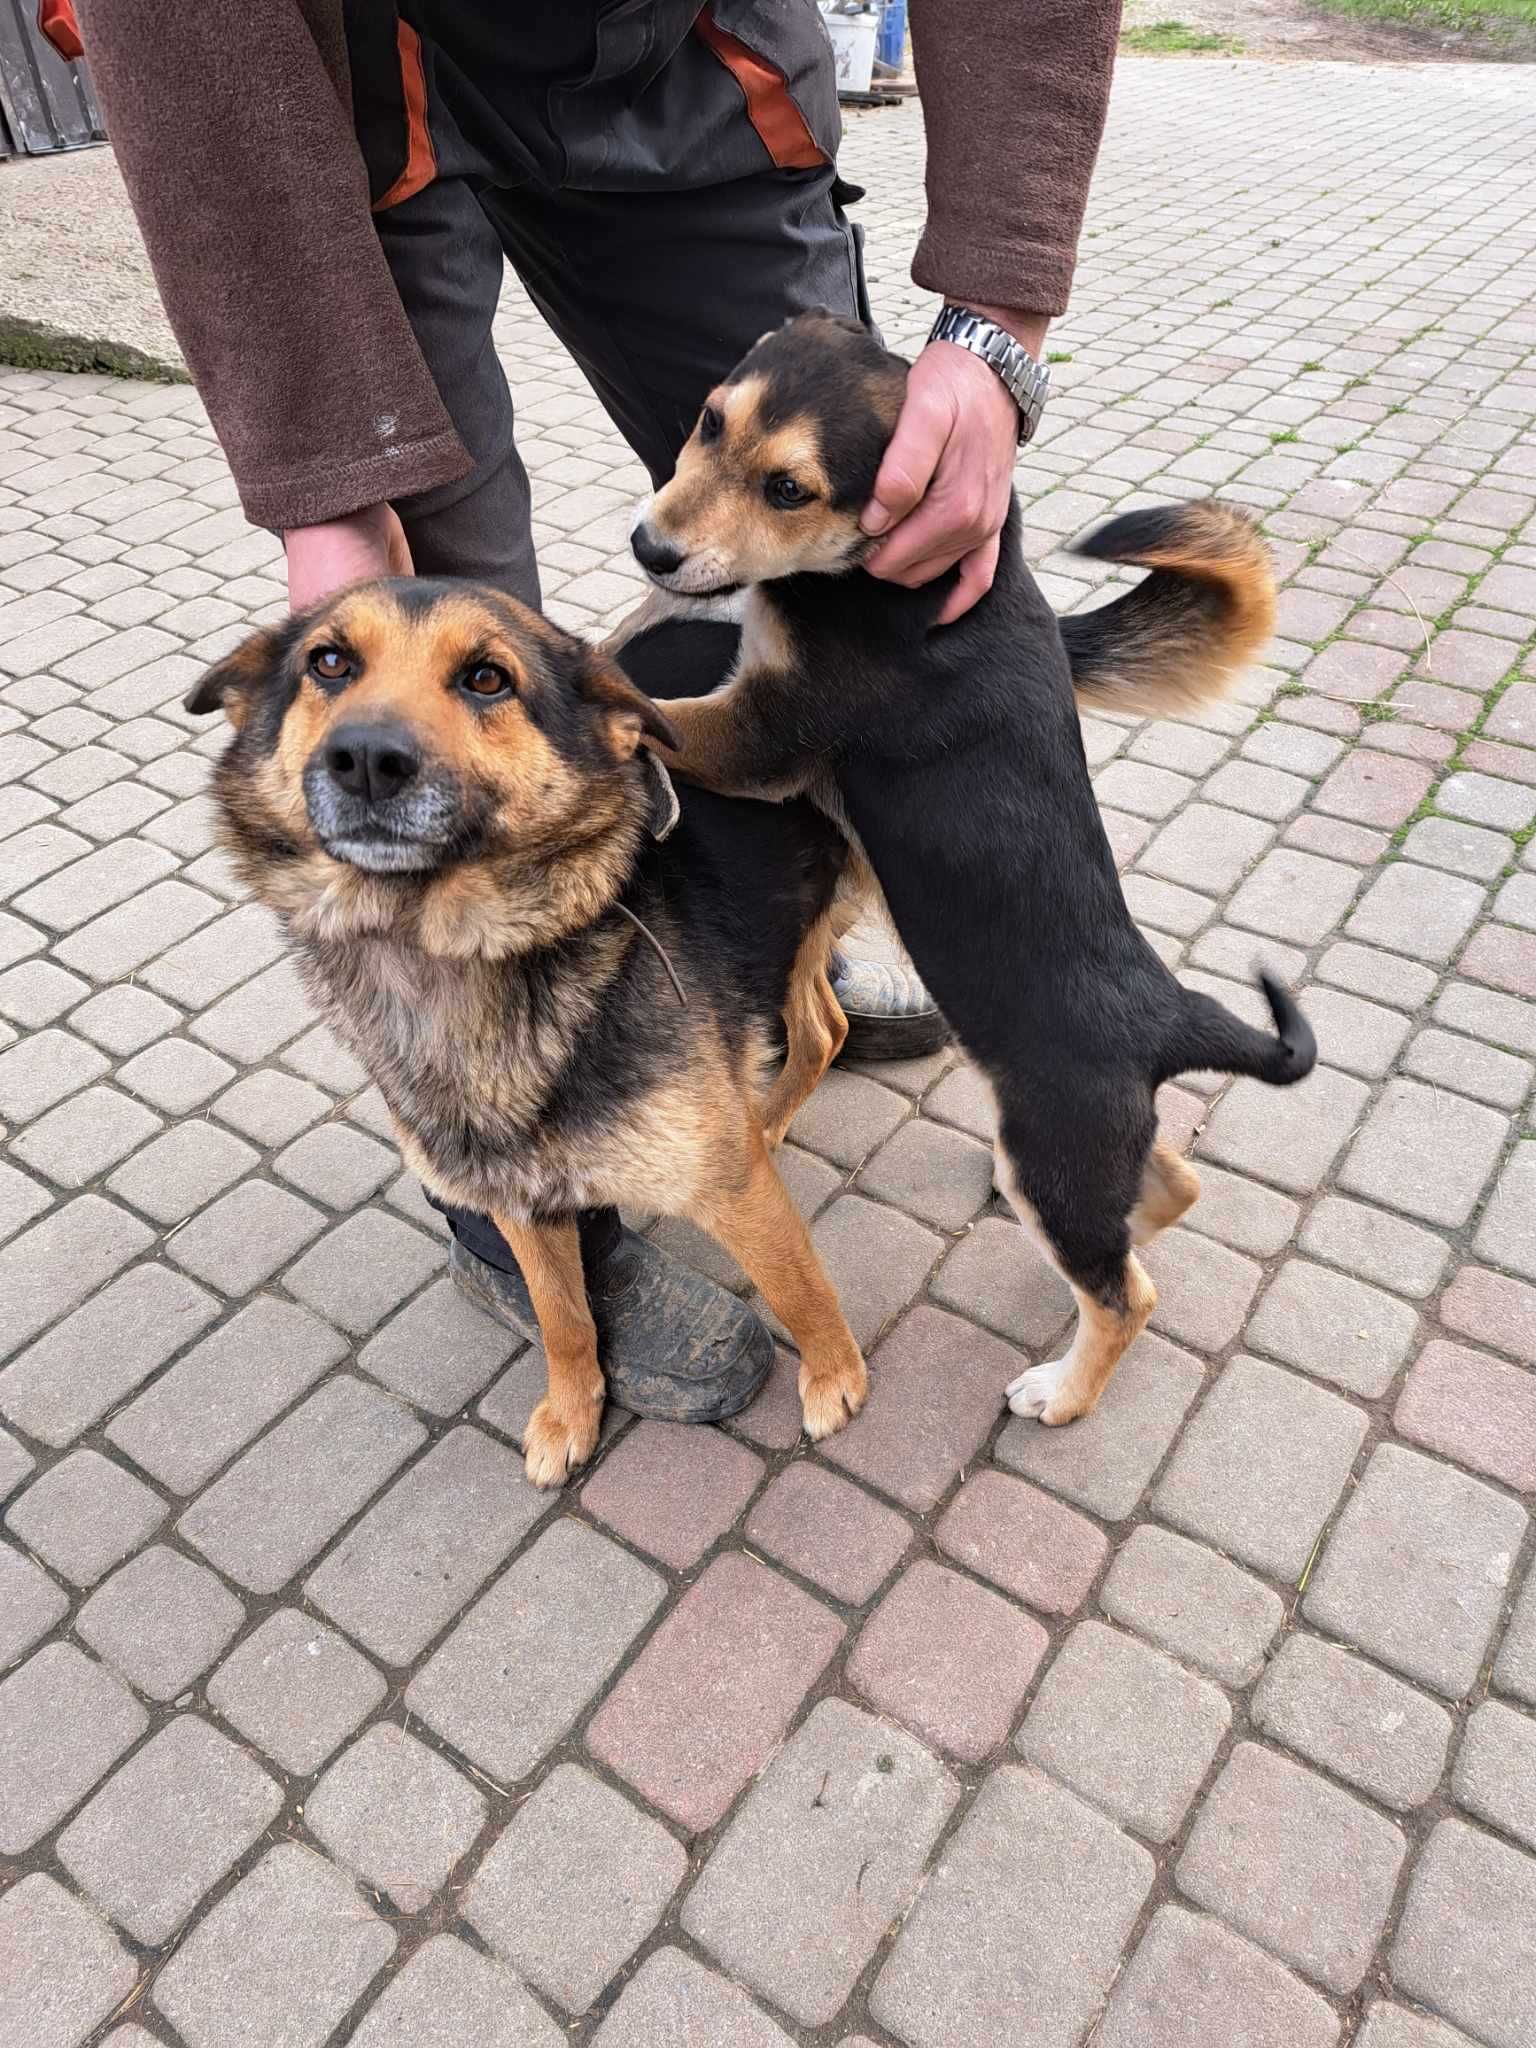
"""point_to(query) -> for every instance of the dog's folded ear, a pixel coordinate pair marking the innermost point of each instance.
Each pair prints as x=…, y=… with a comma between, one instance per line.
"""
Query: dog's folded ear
x=228, y=685
x=632, y=715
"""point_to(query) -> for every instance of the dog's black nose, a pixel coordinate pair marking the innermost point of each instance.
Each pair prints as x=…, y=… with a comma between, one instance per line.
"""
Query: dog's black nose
x=654, y=553
x=372, y=761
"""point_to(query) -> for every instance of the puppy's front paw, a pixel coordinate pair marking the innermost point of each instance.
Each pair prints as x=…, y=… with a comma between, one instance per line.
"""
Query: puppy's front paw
x=1045, y=1391
x=832, y=1394
x=559, y=1438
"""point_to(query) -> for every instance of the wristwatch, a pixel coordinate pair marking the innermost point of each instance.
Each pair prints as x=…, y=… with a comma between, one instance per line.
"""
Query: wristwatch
x=1027, y=381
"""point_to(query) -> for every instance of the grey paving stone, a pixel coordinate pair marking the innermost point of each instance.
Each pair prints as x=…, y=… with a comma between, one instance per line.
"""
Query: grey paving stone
x=674, y=2002
x=1495, y=1775
x=1105, y=1461
x=1416, y=910
x=1416, y=1570
x=1507, y=1234
x=1362, y=1038
x=396, y=1814
x=933, y=1173
x=124, y=1019
x=214, y=960
x=35, y=992
x=1299, y=1867
x=277, y=1506
x=421, y=1552
x=1515, y=1671
x=213, y=1401
x=1485, y=1013
x=296, y=1689
x=1389, y=2026
x=1376, y=1246
x=271, y=1107
x=243, y=1237
x=1342, y=1713
x=83, y=1514
x=15, y=1464
x=1259, y=1469
x=1192, y=1984
x=1206, y=847
x=1288, y=1136
x=66, y=1722
x=1464, y=849
x=321, y=1058
x=167, y=1825
x=1196, y=1605
x=513, y=1677
x=120, y=942
x=182, y=1171
x=1451, y=1061
x=964, y=1097
x=1463, y=1943
x=279, y=1959
x=1032, y=1875
x=42, y=1070
x=336, y=1165
x=175, y=1075
x=448, y=1996
x=1203, y=1289
x=439, y=1352
x=877, y=1260
x=574, y=1884
x=1410, y=1126
x=81, y=1138
x=848, y=1116
x=160, y=1621
x=66, y=1972
x=1294, y=895
x=998, y=1275
x=72, y=896
x=362, y=1269
x=21, y=1199
x=1334, y=1328
x=1486, y=800
x=86, y=1364
x=30, y=1604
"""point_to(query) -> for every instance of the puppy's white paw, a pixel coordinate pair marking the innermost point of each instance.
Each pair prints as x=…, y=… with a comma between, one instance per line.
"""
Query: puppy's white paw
x=1033, y=1391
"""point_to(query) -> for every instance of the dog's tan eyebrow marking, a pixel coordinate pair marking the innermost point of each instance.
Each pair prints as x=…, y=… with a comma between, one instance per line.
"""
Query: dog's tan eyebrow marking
x=795, y=448
x=740, y=405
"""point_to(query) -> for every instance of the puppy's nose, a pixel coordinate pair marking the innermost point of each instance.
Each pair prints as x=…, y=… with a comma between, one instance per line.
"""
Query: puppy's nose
x=659, y=556
x=372, y=761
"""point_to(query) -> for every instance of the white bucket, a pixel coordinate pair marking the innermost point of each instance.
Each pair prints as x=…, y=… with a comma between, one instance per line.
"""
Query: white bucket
x=853, y=45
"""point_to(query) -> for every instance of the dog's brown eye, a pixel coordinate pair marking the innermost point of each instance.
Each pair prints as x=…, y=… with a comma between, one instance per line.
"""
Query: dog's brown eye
x=485, y=679
x=711, y=426
x=329, y=665
x=785, y=493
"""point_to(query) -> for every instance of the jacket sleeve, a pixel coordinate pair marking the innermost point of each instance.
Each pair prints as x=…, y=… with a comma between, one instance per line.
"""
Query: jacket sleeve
x=1014, y=98
x=230, y=120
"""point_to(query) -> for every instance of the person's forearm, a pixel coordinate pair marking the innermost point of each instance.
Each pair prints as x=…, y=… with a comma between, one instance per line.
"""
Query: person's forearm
x=239, y=157
x=1014, y=99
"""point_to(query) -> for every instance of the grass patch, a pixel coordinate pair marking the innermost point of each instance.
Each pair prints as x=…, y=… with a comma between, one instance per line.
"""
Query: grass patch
x=1177, y=39
x=1058, y=355
x=29, y=345
x=1461, y=17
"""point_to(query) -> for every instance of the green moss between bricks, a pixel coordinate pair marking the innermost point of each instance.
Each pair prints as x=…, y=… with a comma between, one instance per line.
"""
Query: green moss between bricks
x=29, y=345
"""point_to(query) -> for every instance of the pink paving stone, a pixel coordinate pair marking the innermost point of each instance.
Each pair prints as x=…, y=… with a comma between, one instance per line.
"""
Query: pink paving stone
x=1397, y=736
x=1372, y=788
x=1502, y=958
x=708, y=1699
x=1353, y=670
x=1336, y=839
x=1179, y=1117
x=949, y=1659
x=1515, y=764
x=1387, y=629
x=936, y=1389
x=673, y=1489
x=1434, y=704
x=829, y=1530
x=1324, y=714
x=1494, y=1309
x=1018, y=1537
x=1470, y=660
x=773, y=1420
x=1472, y=1408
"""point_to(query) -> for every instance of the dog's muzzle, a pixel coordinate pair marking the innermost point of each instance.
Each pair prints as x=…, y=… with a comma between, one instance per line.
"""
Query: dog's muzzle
x=375, y=803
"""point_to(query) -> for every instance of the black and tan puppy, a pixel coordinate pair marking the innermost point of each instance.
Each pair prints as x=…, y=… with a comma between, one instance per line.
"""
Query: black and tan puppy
x=955, y=757
x=443, y=798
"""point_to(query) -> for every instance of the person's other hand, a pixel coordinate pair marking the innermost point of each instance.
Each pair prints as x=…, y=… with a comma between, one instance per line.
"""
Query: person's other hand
x=324, y=559
x=942, y=493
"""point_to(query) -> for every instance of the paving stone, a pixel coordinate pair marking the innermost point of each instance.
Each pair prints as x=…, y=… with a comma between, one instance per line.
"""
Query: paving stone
x=876, y=1259
x=518, y=1671
x=86, y=1364
x=1193, y=1603
x=72, y=896
x=1507, y=1234
x=932, y=1173
x=167, y=1825
x=1286, y=1135
x=949, y=1658
x=847, y=1117
x=1341, y=1712
x=964, y=1097
x=1382, y=976
x=439, y=1352
x=1224, y=949
x=1373, y=788
x=1464, y=849
x=936, y=1389
x=296, y=1689
x=1031, y=1876
x=277, y=1506
x=447, y=1996
x=21, y=1199
x=1493, y=1309
x=999, y=1276
x=1164, y=905
x=824, y=1856
x=1515, y=1671
x=1362, y=1038
x=574, y=1885
x=438, y=1533
x=1145, y=790
x=1333, y=1327
x=118, y=943
x=321, y=1058
x=42, y=1070
x=175, y=1075
x=1472, y=1408
x=255, y=1019
x=1300, y=1867
x=1463, y=1943
x=1416, y=910
x=396, y=1814
x=35, y=992
x=1486, y=800
x=1411, y=1124
x=362, y=1269
x=1203, y=1290
x=30, y=1604
x=1192, y=1984
x=337, y=1166
x=1389, y=2026
x=160, y=1621
x=1495, y=1776
x=123, y=1019
x=182, y=1171
x=1266, y=792
x=1484, y=1013
x=672, y=1490
x=84, y=1136
x=1293, y=895
x=279, y=1959
x=1023, y=1541
x=674, y=2002
x=66, y=1971
x=84, y=1514
x=271, y=1107
x=1376, y=1246
x=67, y=1721
x=1416, y=1570
x=1514, y=904
x=1260, y=1468
x=829, y=1531
x=708, y=1699
x=1502, y=958
x=240, y=1240
x=1207, y=848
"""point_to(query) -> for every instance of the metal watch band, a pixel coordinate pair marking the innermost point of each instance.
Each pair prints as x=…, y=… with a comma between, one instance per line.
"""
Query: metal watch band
x=1027, y=381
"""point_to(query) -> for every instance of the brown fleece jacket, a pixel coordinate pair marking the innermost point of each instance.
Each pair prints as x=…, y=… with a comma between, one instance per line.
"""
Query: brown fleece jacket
x=231, y=122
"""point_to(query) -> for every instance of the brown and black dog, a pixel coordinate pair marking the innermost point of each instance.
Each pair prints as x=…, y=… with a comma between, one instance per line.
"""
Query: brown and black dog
x=954, y=756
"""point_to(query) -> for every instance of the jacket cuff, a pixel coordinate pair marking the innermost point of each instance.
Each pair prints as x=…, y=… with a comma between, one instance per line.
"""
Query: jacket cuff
x=309, y=497
x=1026, y=277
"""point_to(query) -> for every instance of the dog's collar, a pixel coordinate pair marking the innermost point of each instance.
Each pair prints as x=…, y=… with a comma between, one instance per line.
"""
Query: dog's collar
x=665, y=808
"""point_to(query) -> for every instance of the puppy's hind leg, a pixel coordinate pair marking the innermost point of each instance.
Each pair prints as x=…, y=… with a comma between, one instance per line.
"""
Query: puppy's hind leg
x=815, y=1026
x=1169, y=1186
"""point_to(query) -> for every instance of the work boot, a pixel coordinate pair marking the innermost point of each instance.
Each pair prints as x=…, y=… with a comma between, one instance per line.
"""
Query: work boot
x=891, y=1016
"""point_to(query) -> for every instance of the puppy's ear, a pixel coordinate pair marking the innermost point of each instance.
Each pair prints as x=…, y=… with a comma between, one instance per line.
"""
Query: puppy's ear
x=230, y=684
x=631, y=715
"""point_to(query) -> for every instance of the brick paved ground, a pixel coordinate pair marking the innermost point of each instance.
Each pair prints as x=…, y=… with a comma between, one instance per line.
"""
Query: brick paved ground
x=1212, y=1719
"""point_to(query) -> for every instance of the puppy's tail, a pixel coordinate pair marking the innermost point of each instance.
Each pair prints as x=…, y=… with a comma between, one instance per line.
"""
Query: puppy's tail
x=1210, y=1036
x=1180, y=637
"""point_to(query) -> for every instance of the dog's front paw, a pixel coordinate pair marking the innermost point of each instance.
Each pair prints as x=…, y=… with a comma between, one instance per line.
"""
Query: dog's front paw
x=1045, y=1391
x=832, y=1394
x=559, y=1438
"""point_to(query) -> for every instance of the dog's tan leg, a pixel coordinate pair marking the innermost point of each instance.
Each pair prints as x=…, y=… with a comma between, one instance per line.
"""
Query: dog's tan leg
x=816, y=1027
x=562, y=1431
x=728, y=747
x=761, y=1228
x=1169, y=1186
x=1107, y=1326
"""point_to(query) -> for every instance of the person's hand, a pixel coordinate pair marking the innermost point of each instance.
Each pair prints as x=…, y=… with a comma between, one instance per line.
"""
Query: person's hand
x=942, y=492
x=324, y=559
